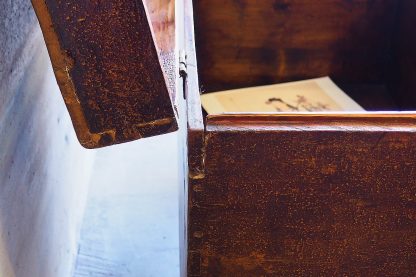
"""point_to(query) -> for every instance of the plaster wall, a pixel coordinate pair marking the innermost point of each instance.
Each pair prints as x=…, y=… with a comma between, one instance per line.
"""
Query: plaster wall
x=44, y=172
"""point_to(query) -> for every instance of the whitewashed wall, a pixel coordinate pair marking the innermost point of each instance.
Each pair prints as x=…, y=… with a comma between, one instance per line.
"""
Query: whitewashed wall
x=44, y=172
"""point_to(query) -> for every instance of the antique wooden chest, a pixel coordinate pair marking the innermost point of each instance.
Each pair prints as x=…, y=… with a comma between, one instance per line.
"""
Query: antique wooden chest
x=277, y=194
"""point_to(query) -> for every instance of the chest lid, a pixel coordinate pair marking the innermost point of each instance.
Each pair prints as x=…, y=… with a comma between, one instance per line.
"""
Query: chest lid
x=108, y=69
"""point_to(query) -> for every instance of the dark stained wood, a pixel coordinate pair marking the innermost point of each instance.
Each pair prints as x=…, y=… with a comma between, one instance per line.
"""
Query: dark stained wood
x=303, y=194
x=245, y=43
x=317, y=195
x=107, y=66
x=404, y=70
x=372, y=97
x=264, y=195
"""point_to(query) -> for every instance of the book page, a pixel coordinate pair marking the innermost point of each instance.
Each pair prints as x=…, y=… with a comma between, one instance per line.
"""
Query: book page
x=315, y=95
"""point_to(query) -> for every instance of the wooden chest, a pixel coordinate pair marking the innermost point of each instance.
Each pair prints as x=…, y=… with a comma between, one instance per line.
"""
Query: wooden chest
x=296, y=194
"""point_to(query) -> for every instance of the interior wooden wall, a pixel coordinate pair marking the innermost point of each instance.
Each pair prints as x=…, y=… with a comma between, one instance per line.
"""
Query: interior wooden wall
x=405, y=54
x=245, y=43
x=44, y=172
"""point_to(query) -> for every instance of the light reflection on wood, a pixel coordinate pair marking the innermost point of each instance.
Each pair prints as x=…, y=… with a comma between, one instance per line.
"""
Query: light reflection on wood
x=162, y=15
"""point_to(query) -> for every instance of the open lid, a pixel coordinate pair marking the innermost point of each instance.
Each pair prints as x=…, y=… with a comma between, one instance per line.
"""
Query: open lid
x=108, y=69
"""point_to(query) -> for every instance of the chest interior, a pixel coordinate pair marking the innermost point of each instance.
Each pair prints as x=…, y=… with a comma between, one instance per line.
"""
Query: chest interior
x=367, y=47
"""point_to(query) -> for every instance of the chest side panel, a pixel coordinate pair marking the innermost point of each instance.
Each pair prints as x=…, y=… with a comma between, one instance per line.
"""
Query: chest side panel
x=292, y=199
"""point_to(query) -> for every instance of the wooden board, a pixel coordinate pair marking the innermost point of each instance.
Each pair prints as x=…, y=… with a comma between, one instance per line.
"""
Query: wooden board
x=300, y=195
x=162, y=17
x=315, y=195
x=404, y=74
x=247, y=43
x=108, y=70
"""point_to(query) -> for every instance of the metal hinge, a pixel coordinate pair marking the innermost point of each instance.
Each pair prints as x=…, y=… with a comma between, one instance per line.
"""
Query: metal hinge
x=182, y=64
x=183, y=73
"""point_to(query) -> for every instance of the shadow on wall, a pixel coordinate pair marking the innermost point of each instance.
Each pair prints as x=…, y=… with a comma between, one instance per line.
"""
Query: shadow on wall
x=44, y=172
x=6, y=267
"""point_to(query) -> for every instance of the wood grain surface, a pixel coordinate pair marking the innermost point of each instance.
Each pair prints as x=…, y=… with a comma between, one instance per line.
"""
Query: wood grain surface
x=304, y=194
x=108, y=69
x=312, y=195
x=246, y=43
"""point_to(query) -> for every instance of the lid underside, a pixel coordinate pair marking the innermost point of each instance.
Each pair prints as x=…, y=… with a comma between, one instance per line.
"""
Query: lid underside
x=108, y=69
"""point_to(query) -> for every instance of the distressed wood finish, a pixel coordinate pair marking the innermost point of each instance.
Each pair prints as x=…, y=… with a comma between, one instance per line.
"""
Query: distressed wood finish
x=265, y=195
x=107, y=66
x=193, y=137
x=246, y=43
x=303, y=194
x=293, y=195
x=195, y=122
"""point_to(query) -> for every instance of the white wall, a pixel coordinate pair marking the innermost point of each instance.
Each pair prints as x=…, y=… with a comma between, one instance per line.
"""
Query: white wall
x=44, y=172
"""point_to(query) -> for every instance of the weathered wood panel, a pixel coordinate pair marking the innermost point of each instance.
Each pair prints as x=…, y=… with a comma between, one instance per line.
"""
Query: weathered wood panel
x=192, y=133
x=245, y=43
x=305, y=196
x=108, y=69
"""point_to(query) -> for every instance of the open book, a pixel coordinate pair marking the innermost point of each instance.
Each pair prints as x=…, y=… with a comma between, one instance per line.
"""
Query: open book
x=315, y=95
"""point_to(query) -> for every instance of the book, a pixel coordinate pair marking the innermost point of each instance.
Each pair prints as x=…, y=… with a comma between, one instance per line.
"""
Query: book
x=314, y=95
